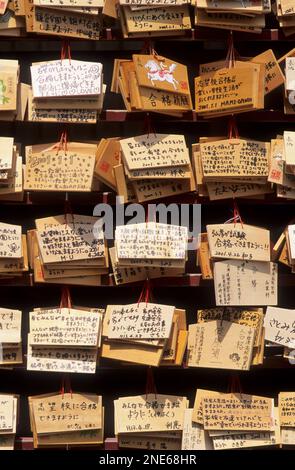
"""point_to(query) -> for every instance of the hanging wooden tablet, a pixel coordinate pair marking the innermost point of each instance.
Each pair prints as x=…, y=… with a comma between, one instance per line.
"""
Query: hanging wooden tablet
x=41, y=20
x=49, y=168
x=220, y=344
x=235, y=158
x=242, y=94
x=80, y=242
x=66, y=78
x=245, y=283
x=239, y=241
x=159, y=20
x=151, y=422
x=247, y=412
x=87, y=417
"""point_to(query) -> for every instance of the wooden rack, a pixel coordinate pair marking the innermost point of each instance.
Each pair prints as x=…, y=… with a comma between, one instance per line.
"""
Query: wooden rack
x=188, y=291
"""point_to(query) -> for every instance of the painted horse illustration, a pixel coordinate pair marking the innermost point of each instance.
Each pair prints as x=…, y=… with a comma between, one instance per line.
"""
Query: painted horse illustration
x=159, y=71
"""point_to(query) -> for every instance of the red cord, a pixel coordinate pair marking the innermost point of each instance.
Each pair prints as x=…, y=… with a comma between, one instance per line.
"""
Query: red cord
x=150, y=383
x=148, y=126
x=66, y=386
x=230, y=57
x=65, y=52
x=237, y=215
x=65, y=301
x=235, y=385
x=146, y=294
x=147, y=47
x=233, y=132
x=65, y=142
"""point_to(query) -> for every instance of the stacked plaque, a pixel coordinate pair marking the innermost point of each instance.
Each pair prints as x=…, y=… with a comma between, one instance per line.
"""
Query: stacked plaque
x=151, y=244
x=10, y=337
x=231, y=167
x=13, y=251
x=66, y=90
x=9, y=405
x=279, y=331
x=246, y=92
x=154, y=17
x=285, y=11
x=66, y=166
x=154, y=166
x=149, y=82
x=223, y=421
x=241, y=255
x=11, y=24
x=287, y=417
x=145, y=333
x=68, y=249
x=283, y=250
x=155, y=421
x=71, y=345
x=235, y=16
x=226, y=338
x=282, y=165
x=80, y=19
x=66, y=419
x=11, y=171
